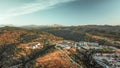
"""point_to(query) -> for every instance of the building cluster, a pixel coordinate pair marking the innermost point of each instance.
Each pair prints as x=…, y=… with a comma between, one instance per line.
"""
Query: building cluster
x=88, y=45
x=108, y=60
x=34, y=46
x=79, y=45
x=65, y=45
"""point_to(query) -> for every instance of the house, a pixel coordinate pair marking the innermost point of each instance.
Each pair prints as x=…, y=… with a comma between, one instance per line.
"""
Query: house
x=34, y=46
x=117, y=53
x=65, y=45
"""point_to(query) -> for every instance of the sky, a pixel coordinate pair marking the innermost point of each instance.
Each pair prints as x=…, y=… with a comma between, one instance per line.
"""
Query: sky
x=63, y=12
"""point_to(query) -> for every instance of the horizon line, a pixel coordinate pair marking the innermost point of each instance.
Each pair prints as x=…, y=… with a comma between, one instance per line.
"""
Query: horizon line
x=59, y=25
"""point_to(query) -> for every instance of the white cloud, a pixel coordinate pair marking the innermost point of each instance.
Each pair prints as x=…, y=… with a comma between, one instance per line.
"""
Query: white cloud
x=32, y=7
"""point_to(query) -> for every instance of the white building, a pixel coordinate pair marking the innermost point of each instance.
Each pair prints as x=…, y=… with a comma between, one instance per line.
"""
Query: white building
x=65, y=45
x=35, y=46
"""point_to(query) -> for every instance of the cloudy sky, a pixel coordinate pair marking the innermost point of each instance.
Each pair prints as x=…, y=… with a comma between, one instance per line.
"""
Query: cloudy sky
x=64, y=12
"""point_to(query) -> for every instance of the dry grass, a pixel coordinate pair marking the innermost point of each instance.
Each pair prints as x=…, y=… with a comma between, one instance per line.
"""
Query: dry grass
x=55, y=59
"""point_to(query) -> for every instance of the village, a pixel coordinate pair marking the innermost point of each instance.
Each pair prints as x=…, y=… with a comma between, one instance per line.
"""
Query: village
x=105, y=60
x=108, y=60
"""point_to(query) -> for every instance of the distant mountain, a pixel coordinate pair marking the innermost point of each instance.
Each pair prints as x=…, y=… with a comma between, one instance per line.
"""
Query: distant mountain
x=10, y=25
x=41, y=26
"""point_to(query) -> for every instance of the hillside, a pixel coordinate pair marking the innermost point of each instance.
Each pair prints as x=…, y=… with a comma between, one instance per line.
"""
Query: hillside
x=15, y=49
x=36, y=48
x=80, y=33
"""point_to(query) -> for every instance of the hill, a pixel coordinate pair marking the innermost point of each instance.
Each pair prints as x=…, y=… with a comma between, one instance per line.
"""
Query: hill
x=36, y=47
x=16, y=49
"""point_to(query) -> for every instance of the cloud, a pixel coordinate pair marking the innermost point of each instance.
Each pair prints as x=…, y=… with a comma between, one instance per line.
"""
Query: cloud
x=32, y=7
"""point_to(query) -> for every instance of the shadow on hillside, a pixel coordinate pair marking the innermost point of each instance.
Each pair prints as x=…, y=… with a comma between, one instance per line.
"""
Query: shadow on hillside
x=6, y=52
x=69, y=34
x=28, y=61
